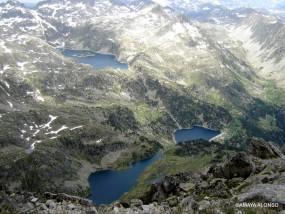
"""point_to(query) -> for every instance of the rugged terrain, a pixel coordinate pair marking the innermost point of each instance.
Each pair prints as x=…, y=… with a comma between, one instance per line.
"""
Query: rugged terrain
x=189, y=64
x=255, y=175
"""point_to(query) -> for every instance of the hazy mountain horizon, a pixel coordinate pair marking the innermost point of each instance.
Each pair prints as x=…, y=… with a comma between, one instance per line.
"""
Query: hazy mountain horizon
x=266, y=4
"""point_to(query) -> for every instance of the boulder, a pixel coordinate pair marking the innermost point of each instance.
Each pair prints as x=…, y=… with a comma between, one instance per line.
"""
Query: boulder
x=34, y=199
x=187, y=187
x=204, y=205
x=169, y=185
x=189, y=205
x=239, y=165
x=217, y=188
x=136, y=203
x=50, y=204
x=172, y=201
x=70, y=207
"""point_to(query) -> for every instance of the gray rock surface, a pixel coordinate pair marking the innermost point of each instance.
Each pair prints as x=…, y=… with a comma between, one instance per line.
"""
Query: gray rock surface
x=239, y=165
x=265, y=150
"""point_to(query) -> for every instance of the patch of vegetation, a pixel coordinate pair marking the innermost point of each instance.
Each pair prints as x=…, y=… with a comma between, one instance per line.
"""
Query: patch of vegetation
x=170, y=164
x=188, y=110
x=257, y=118
x=39, y=172
x=274, y=94
x=92, y=143
x=164, y=127
x=122, y=119
x=145, y=114
x=141, y=149
x=215, y=97
x=235, y=133
x=268, y=123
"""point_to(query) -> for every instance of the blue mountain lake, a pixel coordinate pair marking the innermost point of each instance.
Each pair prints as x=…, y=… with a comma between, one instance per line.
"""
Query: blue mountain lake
x=108, y=186
x=195, y=133
x=97, y=60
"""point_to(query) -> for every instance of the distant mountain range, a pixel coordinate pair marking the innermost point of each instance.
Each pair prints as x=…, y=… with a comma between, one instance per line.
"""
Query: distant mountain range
x=266, y=4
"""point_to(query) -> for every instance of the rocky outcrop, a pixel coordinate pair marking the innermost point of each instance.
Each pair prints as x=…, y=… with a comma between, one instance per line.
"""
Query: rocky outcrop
x=47, y=203
x=153, y=208
x=239, y=165
x=245, y=164
x=241, y=178
x=265, y=193
x=214, y=188
x=66, y=197
x=264, y=150
x=169, y=185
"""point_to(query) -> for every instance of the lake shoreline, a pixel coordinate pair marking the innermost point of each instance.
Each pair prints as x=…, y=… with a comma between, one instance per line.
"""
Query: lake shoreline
x=125, y=179
x=94, y=52
x=193, y=129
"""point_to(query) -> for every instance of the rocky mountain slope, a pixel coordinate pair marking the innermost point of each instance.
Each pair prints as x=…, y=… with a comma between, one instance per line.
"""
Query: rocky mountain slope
x=254, y=176
x=61, y=120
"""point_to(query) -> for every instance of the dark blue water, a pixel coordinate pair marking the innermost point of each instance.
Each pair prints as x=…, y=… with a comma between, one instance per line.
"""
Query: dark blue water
x=97, y=60
x=109, y=185
x=195, y=133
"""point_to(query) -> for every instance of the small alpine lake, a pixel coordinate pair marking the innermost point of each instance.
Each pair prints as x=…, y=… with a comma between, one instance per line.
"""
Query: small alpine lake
x=195, y=133
x=108, y=186
x=97, y=60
